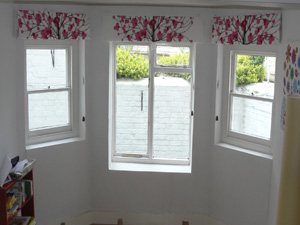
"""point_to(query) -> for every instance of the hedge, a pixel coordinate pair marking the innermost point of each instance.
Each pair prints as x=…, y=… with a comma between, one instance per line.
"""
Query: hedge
x=250, y=69
x=135, y=66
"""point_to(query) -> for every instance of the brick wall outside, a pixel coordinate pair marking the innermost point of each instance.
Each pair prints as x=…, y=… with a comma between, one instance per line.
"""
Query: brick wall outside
x=171, y=108
x=171, y=117
x=47, y=109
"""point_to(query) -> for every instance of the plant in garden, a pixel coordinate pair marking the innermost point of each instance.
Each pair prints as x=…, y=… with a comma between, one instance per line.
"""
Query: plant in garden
x=176, y=59
x=250, y=69
x=135, y=66
x=131, y=65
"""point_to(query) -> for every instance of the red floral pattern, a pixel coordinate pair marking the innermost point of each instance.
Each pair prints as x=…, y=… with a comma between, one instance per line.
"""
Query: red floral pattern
x=249, y=29
x=153, y=28
x=52, y=25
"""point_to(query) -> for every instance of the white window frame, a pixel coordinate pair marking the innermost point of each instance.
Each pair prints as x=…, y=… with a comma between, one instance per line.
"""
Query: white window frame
x=153, y=68
x=234, y=138
x=71, y=130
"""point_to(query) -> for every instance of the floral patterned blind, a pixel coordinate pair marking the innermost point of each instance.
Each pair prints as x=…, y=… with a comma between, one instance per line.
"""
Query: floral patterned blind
x=52, y=25
x=178, y=29
x=248, y=29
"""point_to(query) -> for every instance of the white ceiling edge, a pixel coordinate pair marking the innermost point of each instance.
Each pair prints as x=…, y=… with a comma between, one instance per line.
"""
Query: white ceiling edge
x=245, y=4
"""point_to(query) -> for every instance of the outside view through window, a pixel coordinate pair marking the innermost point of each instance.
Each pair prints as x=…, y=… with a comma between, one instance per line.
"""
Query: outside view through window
x=251, y=109
x=171, y=102
x=47, y=88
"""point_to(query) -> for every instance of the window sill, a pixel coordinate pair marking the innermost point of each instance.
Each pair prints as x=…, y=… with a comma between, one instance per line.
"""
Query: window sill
x=53, y=143
x=138, y=167
x=244, y=150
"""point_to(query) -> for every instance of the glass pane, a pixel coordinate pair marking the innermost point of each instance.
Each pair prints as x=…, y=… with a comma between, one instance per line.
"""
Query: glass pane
x=132, y=99
x=255, y=75
x=251, y=117
x=172, y=110
x=172, y=56
x=46, y=68
x=48, y=110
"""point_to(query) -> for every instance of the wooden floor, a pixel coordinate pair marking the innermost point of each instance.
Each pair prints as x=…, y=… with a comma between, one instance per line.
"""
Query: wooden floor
x=120, y=222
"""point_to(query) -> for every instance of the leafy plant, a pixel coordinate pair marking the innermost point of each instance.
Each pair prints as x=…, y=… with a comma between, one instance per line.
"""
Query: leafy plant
x=176, y=59
x=131, y=65
x=250, y=69
x=135, y=66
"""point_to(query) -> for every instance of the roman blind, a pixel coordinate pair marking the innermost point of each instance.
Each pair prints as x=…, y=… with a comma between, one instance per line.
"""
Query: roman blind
x=52, y=25
x=181, y=29
x=248, y=29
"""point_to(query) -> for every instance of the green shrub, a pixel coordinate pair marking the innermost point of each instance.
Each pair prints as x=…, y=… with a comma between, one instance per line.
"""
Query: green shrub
x=131, y=65
x=135, y=66
x=250, y=69
x=177, y=59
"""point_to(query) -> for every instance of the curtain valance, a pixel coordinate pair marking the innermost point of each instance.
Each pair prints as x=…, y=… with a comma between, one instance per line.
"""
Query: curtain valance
x=152, y=28
x=248, y=29
x=52, y=25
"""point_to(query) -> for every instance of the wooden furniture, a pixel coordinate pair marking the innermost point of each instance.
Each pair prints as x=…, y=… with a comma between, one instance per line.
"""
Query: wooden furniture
x=27, y=208
x=185, y=222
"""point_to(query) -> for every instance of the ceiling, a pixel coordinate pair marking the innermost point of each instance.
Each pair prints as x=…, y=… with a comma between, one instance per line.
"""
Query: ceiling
x=246, y=4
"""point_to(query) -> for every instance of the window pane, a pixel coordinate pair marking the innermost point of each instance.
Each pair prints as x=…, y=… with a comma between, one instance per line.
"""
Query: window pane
x=172, y=56
x=46, y=68
x=132, y=99
x=255, y=75
x=251, y=117
x=172, y=109
x=48, y=110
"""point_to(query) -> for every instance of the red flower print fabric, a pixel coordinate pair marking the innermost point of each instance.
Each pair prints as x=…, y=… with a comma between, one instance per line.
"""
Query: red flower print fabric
x=245, y=30
x=153, y=28
x=52, y=25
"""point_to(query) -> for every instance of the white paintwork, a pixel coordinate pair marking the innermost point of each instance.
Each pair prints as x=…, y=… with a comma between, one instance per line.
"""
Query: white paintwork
x=8, y=106
x=267, y=4
x=62, y=178
x=72, y=178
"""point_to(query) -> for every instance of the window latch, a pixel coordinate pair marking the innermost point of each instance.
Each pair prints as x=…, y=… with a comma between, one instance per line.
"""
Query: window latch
x=192, y=113
x=142, y=99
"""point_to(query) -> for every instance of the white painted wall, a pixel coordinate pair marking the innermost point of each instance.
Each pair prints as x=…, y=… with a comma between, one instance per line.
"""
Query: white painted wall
x=230, y=186
x=240, y=182
x=62, y=174
x=291, y=33
x=139, y=191
x=8, y=106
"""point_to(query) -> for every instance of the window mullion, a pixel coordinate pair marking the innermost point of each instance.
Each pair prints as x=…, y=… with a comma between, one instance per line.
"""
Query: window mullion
x=151, y=100
x=114, y=97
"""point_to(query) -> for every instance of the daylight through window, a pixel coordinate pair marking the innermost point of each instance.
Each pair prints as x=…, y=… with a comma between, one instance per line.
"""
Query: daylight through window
x=48, y=89
x=152, y=89
x=251, y=97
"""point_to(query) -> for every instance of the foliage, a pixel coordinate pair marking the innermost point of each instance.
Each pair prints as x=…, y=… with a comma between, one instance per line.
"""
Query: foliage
x=131, y=65
x=250, y=69
x=177, y=59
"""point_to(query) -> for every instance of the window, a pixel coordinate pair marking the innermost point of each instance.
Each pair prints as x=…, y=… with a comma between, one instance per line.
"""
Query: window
x=248, y=122
x=151, y=103
x=51, y=100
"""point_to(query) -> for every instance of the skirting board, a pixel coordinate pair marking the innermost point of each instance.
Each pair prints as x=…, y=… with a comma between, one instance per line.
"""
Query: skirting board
x=139, y=219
